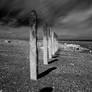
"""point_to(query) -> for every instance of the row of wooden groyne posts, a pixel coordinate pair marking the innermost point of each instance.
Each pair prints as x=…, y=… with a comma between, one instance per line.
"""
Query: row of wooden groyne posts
x=50, y=47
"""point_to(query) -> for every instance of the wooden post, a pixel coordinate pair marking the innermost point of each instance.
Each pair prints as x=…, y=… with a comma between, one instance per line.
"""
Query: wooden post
x=45, y=45
x=55, y=49
x=33, y=55
x=49, y=44
x=56, y=42
x=53, y=44
x=52, y=39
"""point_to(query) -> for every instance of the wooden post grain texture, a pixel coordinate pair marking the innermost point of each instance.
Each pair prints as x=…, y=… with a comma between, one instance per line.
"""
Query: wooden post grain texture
x=33, y=56
x=33, y=52
x=45, y=46
x=49, y=44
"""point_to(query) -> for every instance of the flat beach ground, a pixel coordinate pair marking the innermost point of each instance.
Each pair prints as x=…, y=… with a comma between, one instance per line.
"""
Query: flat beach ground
x=67, y=71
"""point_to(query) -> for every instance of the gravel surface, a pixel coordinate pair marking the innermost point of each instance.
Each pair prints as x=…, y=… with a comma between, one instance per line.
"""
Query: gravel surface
x=66, y=72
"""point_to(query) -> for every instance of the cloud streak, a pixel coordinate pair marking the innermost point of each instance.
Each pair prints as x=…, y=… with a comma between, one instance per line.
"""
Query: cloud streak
x=76, y=24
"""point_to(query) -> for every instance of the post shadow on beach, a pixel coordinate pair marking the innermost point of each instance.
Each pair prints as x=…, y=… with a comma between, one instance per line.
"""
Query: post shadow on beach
x=55, y=56
x=56, y=59
x=46, y=89
x=46, y=72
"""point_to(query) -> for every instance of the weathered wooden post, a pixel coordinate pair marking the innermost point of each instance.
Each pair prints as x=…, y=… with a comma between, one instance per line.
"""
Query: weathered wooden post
x=52, y=42
x=45, y=45
x=49, y=43
x=33, y=55
x=55, y=42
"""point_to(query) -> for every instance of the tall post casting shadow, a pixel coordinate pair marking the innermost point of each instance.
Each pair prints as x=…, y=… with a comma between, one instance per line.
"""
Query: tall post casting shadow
x=46, y=72
x=33, y=45
x=49, y=43
x=45, y=45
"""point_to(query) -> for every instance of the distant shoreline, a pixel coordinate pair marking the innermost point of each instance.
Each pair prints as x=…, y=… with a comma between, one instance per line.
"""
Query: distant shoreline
x=75, y=40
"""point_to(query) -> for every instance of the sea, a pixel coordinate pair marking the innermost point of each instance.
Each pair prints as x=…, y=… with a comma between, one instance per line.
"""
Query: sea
x=84, y=44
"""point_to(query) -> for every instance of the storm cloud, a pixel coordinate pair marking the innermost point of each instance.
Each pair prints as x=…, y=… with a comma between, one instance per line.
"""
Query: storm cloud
x=70, y=18
x=48, y=10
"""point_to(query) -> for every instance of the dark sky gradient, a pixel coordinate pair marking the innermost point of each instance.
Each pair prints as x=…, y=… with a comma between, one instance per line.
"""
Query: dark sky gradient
x=71, y=19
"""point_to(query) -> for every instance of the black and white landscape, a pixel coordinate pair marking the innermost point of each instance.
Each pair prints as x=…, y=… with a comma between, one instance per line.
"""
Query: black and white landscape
x=70, y=68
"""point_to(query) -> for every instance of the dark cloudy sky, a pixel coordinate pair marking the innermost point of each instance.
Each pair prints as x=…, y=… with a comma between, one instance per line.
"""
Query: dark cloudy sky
x=69, y=18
